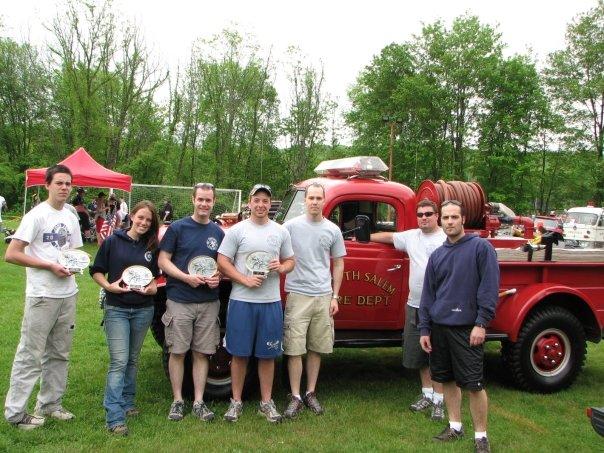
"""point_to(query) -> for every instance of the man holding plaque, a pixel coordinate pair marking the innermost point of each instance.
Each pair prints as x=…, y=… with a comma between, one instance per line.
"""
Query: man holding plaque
x=253, y=254
x=187, y=251
x=50, y=301
x=312, y=299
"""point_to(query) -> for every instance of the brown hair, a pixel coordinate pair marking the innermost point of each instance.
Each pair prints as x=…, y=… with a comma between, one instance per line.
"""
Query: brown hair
x=151, y=235
x=52, y=171
x=314, y=184
x=426, y=202
x=455, y=203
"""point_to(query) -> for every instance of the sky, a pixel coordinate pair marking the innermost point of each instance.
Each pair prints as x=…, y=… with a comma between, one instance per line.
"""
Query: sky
x=342, y=35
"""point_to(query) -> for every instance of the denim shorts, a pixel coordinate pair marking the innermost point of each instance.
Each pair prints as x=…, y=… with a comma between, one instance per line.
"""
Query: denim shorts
x=254, y=329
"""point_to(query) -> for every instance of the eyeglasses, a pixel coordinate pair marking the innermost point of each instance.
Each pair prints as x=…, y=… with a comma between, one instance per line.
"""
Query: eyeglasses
x=204, y=185
x=424, y=214
x=448, y=202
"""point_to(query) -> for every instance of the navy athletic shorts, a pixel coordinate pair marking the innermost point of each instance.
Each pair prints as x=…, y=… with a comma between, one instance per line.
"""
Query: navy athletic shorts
x=254, y=329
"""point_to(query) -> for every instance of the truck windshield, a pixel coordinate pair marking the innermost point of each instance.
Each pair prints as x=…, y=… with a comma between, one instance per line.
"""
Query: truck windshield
x=582, y=218
x=292, y=206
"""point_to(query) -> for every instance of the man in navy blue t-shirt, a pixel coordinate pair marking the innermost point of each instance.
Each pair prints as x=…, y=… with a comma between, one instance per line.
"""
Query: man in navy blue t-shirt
x=191, y=318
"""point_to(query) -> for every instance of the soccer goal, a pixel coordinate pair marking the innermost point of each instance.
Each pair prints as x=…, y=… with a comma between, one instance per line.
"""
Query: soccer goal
x=227, y=200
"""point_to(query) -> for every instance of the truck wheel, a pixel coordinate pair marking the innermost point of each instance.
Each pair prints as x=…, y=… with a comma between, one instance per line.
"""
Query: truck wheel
x=218, y=384
x=549, y=353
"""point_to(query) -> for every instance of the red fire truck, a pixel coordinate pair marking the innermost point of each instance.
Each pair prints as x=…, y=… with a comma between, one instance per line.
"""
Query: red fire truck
x=547, y=311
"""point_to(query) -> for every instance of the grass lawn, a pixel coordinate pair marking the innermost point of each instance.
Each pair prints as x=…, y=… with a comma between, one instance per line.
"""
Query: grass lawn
x=366, y=393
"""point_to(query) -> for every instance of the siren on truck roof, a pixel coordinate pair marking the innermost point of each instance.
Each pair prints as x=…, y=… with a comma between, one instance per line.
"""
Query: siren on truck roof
x=362, y=166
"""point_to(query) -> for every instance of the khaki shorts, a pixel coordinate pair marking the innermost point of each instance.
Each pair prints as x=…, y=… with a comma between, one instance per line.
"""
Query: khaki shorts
x=192, y=326
x=307, y=325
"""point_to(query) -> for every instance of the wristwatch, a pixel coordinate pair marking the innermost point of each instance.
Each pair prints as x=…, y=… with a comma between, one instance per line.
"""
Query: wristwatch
x=482, y=326
x=335, y=296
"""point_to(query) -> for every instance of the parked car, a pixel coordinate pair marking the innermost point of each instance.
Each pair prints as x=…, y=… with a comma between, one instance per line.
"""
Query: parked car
x=596, y=416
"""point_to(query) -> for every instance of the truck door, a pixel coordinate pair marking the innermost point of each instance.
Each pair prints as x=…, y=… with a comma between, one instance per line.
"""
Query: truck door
x=374, y=288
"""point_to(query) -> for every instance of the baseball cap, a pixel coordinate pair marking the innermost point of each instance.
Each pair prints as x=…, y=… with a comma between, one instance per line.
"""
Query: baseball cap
x=261, y=187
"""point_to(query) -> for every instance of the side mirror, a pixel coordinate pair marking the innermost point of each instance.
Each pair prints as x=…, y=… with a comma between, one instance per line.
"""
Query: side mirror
x=362, y=228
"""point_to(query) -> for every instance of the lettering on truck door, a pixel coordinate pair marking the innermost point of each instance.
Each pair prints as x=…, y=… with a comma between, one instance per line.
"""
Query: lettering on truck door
x=374, y=287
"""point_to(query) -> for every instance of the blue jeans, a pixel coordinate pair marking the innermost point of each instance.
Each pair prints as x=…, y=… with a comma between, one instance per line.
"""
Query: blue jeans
x=125, y=329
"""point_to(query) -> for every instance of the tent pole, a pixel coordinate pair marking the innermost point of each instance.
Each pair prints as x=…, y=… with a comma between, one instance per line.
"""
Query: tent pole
x=25, y=201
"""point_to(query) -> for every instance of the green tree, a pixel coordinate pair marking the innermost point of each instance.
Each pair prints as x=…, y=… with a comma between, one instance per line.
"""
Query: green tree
x=575, y=76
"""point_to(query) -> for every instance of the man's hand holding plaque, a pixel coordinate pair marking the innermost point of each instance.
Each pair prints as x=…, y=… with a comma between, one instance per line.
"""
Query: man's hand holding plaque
x=75, y=261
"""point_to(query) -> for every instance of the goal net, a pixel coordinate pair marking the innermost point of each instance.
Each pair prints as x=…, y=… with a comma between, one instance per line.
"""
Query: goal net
x=227, y=200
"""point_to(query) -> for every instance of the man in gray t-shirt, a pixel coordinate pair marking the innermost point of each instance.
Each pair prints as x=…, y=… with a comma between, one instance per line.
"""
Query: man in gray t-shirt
x=312, y=301
x=253, y=254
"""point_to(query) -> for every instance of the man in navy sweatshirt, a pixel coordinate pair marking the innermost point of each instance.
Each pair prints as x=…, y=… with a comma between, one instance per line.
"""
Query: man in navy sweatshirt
x=458, y=301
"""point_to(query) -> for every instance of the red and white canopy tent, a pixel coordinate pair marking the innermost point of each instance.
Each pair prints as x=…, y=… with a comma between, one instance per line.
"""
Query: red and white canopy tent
x=86, y=171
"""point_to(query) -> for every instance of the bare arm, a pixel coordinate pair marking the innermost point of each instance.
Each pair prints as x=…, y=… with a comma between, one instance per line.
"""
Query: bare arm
x=283, y=267
x=165, y=264
x=384, y=237
x=337, y=272
x=15, y=254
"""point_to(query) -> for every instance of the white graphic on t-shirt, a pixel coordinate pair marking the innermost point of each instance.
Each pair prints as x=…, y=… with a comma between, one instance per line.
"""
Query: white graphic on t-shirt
x=273, y=240
x=148, y=256
x=325, y=241
x=212, y=243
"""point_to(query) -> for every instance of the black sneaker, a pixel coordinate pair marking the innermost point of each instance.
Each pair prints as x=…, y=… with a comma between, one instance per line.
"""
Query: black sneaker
x=311, y=401
x=449, y=434
x=177, y=410
x=294, y=407
x=482, y=445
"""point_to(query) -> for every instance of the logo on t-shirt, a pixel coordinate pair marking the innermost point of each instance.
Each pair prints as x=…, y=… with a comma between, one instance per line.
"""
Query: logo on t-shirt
x=273, y=240
x=58, y=237
x=325, y=241
x=148, y=256
x=212, y=243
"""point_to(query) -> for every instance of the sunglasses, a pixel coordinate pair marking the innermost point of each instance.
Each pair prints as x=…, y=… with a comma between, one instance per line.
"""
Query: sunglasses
x=204, y=185
x=424, y=214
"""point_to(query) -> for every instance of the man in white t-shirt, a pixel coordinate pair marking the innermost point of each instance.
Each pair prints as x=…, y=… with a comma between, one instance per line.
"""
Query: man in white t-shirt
x=50, y=301
x=252, y=254
x=312, y=301
x=419, y=244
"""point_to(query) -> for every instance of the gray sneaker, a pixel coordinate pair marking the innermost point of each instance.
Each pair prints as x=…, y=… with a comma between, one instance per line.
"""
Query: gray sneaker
x=421, y=404
x=311, y=401
x=201, y=411
x=448, y=434
x=294, y=407
x=269, y=411
x=29, y=422
x=482, y=445
x=438, y=411
x=119, y=430
x=59, y=414
x=234, y=411
x=177, y=410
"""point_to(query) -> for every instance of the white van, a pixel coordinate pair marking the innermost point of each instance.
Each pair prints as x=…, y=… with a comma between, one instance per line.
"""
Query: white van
x=584, y=227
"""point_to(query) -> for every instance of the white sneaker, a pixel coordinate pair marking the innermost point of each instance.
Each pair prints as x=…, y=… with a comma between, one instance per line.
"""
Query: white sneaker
x=29, y=422
x=59, y=414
